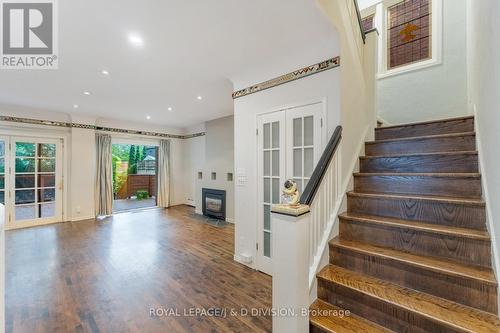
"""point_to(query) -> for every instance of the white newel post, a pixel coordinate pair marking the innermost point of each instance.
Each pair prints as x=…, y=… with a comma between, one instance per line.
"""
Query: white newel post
x=290, y=268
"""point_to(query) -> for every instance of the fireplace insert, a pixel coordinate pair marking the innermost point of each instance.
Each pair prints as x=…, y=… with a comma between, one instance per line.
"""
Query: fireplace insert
x=214, y=203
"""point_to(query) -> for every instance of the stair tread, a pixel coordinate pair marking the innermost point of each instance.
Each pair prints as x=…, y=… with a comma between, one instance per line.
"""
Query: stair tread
x=340, y=324
x=419, y=174
x=424, y=137
x=420, y=226
x=451, y=314
x=456, y=200
x=465, y=152
x=442, y=266
x=426, y=122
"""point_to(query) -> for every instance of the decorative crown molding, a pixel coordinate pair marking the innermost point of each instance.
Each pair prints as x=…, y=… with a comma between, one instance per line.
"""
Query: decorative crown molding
x=295, y=75
x=96, y=128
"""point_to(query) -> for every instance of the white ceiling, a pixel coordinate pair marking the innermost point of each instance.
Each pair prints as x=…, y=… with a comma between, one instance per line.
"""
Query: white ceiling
x=191, y=48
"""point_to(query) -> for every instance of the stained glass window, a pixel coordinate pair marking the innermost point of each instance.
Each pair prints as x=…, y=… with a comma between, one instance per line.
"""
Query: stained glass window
x=367, y=22
x=409, y=32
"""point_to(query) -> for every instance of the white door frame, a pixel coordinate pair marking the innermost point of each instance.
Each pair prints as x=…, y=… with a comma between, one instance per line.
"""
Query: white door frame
x=260, y=264
x=11, y=222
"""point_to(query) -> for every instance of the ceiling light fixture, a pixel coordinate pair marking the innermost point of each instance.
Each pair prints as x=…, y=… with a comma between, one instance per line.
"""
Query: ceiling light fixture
x=199, y=98
x=87, y=93
x=169, y=108
x=76, y=106
x=104, y=72
x=135, y=40
x=148, y=117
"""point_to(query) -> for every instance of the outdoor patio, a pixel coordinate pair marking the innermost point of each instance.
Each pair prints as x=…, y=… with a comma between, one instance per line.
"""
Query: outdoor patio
x=120, y=205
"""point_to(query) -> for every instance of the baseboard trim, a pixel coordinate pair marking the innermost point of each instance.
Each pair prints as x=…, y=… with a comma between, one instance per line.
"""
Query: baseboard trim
x=81, y=218
x=486, y=198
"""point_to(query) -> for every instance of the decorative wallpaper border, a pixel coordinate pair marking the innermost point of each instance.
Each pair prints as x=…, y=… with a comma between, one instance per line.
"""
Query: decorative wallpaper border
x=96, y=128
x=295, y=75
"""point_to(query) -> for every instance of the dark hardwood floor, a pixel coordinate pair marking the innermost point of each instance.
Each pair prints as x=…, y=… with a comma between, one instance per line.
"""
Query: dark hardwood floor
x=106, y=276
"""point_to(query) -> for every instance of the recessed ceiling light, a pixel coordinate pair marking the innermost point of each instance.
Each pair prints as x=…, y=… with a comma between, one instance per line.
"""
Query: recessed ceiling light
x=169, y=108
x=76, y=106
x=148, y=117
x=104, y=72
x=199, y=98
x=135, y=40
x=87, y=93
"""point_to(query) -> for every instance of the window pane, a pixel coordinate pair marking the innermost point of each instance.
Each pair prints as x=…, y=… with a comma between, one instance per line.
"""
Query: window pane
x=46, y=150
x=45, y=195
x=299, y=185
x=46, y=180
x=25, y=196
x=276, y=191
x=409, y=32
x=297, y=162
x=25, y=212
x=267, y=190
x=308, y=161
x=25, y=165
x=267, y=217
x=267, y=244
x=2, y=182
x=25, y=149
x=47, y=165
x=308, y=131
x=2, y=165
x=25, y=181
x=47, y=210
x=267, y=136
x=297, y=132
x=276, y=163
x=2, y=197
x=267, y=163
x=276, y=135
x=2, y=148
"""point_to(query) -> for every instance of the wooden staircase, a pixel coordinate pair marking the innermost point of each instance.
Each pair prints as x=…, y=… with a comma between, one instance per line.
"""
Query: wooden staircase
x=413, y=253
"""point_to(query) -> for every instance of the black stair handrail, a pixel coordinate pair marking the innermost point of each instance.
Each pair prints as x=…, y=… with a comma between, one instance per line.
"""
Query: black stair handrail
x=360, y=21
x=312, y=187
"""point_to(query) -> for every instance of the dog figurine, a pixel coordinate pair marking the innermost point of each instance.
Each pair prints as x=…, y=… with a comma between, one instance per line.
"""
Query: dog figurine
x=291, y=195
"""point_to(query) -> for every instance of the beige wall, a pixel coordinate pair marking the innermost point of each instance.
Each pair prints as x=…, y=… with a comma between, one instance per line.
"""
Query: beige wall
x=435, y=92
x=484, y=99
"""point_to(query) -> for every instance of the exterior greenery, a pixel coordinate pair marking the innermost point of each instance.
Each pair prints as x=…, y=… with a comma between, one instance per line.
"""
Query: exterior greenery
x=125, y=159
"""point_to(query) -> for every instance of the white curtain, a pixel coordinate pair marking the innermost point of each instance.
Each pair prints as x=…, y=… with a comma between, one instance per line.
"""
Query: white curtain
x=164, y=174
x=104, y=177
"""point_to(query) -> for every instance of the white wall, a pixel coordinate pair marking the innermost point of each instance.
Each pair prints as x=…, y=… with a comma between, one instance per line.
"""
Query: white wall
x=484, y=84
x=219, y=158
x=194, y=161
x=434, y=92
x=319, y=87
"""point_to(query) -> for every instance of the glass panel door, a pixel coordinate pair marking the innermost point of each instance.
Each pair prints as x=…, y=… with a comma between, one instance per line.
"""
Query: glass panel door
x=304, y=139
x=36, y=181
x=271, y=171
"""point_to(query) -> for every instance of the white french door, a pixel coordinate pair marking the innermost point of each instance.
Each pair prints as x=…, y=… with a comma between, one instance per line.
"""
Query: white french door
x=304, y=141
x=289, y=147
x=32, y=181
x=271, y=143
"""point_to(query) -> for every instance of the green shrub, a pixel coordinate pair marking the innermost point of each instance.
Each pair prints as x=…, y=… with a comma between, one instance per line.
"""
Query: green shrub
x=142, y=194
